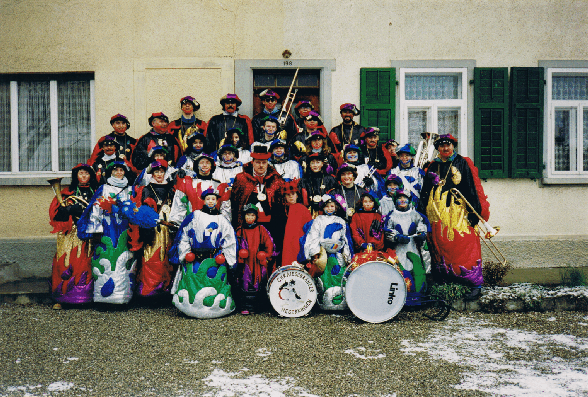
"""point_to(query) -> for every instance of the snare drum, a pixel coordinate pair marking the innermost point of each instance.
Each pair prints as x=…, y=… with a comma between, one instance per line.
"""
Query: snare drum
x=291, y=291
x=375, y=291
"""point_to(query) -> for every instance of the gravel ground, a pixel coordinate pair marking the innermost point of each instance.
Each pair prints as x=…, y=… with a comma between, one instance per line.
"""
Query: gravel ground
x=141, y=350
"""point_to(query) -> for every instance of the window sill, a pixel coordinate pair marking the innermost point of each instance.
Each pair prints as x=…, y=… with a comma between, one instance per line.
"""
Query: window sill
x=577, y=180
x=37, y=179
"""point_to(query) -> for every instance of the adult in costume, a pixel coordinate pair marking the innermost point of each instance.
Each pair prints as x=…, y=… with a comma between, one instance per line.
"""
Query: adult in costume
x=230, y=118
x=366, y=177
x=271, y=131
x=312, y=123
x=113, y=264
x=375, y=155
x=406, y=231
x=157, y=136
x=347, y=132
x=455, y=247
x=327, y=249
x=348, y=189
x=256, y=248
x=316, y=142
x=270, y=99
x=124, y=141
x=107, y=154
x=154, y=272
x=188, y=123
x=258, y=184
x=71, y=276
x=195, y=148
x=204, y=250
x=235, y=137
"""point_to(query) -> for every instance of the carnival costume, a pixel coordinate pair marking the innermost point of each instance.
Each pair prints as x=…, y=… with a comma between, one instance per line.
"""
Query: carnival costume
x=256, y=248
x=219, y=124
x=455, y=246
x=257, y=121
x=366, y=226
x=294, y=217
x=204, y=249
x=328, y=236
x=406, y=232
x=183, y=127
x=314, y=185
x=387, y=203
x=346, y=134
x=155, y=272
x=186, y=162
x=125, y=142
x=71, y=276
x=288, y=169
x=411, y=173
x=141, y=159
x=113, y=264
x=376, y=156
x=226, y=172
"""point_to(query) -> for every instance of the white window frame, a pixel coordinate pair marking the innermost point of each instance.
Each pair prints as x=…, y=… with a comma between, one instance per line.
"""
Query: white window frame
x=551, y=106
x=434, y=105
x=37, y=177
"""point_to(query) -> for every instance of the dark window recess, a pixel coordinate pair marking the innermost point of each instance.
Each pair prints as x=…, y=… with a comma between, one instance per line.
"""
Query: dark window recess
x=307, y=82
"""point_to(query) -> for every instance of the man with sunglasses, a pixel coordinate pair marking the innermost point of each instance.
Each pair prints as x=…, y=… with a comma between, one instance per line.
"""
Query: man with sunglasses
x=270, y=99
x=228, y=119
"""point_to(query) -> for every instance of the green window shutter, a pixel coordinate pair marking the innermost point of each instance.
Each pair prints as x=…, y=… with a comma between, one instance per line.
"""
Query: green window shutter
x=527, y=86
x=378, y=100
x=491, y=122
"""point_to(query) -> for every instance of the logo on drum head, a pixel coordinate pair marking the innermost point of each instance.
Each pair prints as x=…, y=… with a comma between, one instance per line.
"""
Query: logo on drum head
x=287, y=291
x=392, y=292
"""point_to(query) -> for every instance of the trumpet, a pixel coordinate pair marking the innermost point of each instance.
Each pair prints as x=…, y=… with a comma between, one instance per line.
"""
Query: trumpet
x=486, y=230
x=56, y=185
x=288, y=102
x=426, y=149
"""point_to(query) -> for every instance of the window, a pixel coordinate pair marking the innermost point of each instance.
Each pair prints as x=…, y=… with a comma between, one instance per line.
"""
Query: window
x=46, y=123
x=567, y=124
x=307, y=83
x=433, y=100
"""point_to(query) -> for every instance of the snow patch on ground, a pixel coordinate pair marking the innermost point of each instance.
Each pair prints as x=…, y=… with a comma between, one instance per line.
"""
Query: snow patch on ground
x=485, y=353
x=365, y=354
x=263, y=352
x=233, y=384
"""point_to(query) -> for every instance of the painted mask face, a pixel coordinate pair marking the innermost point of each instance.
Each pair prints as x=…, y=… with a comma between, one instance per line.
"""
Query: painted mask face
x=367, y=204
x=230, y=106
x=119, y=127
x=109, y=148
x=316, y=144
x=405, y=159
x=352, y=156
x=210, y=201
x=372, y=141
x=402, y=203
x=316, y=165
x=270, y=103
x=446, y=150
x=197, y=144
x=250, y=218
x=279, y=151
x=270, y=128
x=83, y=177
x=204, y=166
x=187, y=108
x=159, y=175
x=118, y=172
x=304, y=111
x=391, y=189
x=347, y=179
x=329, y=208
x=228, y=157
x=347, y=116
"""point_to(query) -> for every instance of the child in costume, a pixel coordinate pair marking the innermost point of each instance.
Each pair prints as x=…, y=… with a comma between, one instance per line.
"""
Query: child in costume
x=366, y=224
x=327, y=249
x=227, y=165
x=113, y=264
x=71, y=279
x=253, y=268
x=293, y=218
x=409, y=171
x=387, y=204
x=195, y=148
x=288, y=169
x=406, y=231
x=204, y=250
x=235, y=137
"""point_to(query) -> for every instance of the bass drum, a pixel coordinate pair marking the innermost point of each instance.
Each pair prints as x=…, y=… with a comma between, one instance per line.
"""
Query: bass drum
x=291, y=291
x=375, y=291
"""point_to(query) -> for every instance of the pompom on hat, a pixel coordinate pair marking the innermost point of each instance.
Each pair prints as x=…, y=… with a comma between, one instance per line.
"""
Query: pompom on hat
x=189, y=99
x=269, y=94
x=407, y=149
x=208, y=192
x=351, y=107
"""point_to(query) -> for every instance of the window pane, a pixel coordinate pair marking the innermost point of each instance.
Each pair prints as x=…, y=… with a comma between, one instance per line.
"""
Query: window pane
x=5, y=165
x=425, y=87
x=307, y=80
x=570, y=87
x=264, y=80
x=74, y=123
x=585, y=140
x=564, y=140
x=34, y=126
x=284, y=80
x=448, y=120
x=417, y=123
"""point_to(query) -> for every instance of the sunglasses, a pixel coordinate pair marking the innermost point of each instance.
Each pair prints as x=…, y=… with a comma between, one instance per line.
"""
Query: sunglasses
x=271, y=99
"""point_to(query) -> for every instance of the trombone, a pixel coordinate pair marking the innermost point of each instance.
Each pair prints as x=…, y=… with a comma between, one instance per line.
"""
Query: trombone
x=486, y=230
x=288, y=102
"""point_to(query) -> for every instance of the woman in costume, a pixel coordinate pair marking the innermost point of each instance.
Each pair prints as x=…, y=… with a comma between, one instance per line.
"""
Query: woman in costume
x=315, y=182
x=405, y=231
x=188, y=123
x=204, y=250
x=113, y=264
x=455, y=247
x=71, y=278
x=256, y=250
x=366, y=177
x=235, y=137
x=155, y=272
x=348, y=189
x=327, y=249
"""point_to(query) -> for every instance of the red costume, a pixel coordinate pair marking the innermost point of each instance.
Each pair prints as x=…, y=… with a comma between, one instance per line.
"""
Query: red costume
x=366, y=228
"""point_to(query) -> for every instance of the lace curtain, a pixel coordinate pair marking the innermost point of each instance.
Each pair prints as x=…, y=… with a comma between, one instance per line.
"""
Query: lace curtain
x=447, y=123
x=5, y=165
x=34, y=126
x=427, y=87
x=570, y=87
x=585, y=140
x=74, y=123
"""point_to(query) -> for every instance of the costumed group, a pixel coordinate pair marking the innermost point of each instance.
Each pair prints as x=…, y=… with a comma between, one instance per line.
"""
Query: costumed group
x=209, y=212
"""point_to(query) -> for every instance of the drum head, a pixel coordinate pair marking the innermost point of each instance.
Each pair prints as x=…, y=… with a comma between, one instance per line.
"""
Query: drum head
x=375, y=292
x=291, y=291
